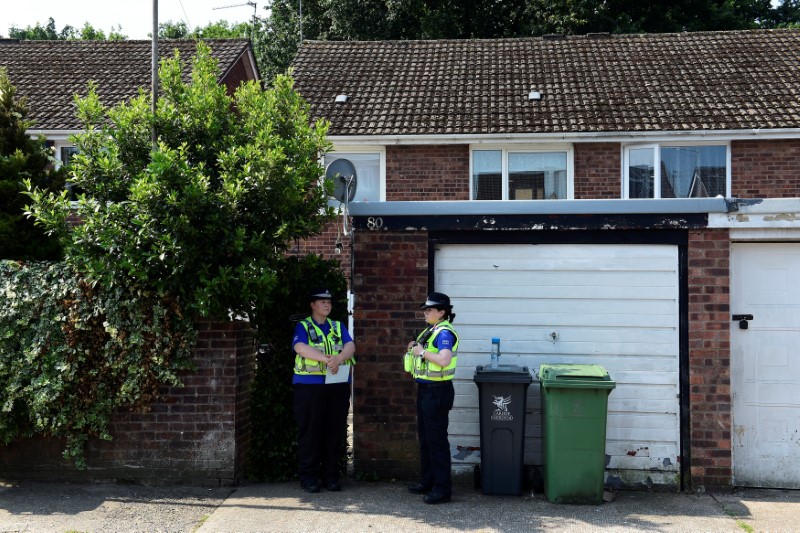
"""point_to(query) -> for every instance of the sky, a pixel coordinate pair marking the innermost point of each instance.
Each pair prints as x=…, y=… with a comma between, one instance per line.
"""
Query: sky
x=135, y=16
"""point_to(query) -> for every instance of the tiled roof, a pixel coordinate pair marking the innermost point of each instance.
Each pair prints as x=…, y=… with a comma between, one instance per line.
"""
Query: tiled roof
x=49, y=73
x=591, y=84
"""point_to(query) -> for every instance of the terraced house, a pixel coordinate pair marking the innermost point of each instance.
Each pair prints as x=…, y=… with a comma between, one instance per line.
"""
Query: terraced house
x=624, y=200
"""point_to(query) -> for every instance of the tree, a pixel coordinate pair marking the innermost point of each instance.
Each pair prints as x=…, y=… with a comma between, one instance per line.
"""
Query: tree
x=49, y=33
x=22, y=158
x=215, y=30
x=205, y=215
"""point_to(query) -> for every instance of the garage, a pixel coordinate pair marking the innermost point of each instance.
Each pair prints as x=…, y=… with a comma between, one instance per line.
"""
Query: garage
x=616, y=305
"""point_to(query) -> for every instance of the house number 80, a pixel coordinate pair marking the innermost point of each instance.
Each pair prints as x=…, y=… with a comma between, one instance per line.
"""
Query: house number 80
x=374, y=223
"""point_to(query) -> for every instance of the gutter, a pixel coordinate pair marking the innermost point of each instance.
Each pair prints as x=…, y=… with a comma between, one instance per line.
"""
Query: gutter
x=577, y=137
x=545, y=207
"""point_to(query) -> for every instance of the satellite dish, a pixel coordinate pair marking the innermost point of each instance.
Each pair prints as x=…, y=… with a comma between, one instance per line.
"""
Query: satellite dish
x=342, y=173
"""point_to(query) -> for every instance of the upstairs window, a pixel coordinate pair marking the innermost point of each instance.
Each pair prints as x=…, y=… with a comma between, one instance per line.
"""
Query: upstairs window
x=676, y=171
x=369, y=171
x=521, y=174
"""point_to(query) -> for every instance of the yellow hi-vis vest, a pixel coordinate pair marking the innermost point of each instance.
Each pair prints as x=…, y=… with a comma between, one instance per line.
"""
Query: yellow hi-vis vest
x=330, y=345
x=428, y=370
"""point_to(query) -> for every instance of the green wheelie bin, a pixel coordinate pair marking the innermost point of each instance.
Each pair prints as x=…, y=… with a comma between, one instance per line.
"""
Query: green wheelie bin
x=574, y=412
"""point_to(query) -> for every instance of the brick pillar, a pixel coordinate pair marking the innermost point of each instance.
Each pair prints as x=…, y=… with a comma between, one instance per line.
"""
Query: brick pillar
x=198, y=433
x=709, y=358
x=390, y=280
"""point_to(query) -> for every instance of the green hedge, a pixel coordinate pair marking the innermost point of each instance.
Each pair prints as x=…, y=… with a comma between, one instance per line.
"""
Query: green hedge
x=72, y=353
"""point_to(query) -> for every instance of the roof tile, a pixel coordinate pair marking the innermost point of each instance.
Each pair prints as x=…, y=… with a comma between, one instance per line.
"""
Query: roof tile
x=49, y=73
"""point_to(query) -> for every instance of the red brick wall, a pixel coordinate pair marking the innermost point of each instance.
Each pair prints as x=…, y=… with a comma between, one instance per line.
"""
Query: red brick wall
x=427, y=172
x=597, y=171
x=235, y=76
x=391, y=279
x=198, y=433
x=709, y=358
x=765, y=169
x=324, y=245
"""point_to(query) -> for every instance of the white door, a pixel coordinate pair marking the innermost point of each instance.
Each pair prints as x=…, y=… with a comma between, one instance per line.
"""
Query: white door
x=765, y=364
x=612, y=305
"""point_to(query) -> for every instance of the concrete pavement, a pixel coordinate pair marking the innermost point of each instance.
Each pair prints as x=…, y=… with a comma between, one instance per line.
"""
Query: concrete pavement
x=379, y=506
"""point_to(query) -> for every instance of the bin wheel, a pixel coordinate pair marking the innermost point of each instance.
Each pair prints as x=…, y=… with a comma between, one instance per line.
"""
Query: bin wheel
x=476, y=476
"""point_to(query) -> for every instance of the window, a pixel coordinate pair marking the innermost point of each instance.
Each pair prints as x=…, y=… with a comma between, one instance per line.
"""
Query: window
x=521, y=174
x=369, y=185
x=675, y=171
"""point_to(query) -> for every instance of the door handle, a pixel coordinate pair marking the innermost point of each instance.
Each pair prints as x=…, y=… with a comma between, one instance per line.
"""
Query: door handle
x=743, y=320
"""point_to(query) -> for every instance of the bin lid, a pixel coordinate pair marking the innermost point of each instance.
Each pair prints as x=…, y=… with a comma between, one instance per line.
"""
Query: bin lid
x=502, y=374
x=574, y=375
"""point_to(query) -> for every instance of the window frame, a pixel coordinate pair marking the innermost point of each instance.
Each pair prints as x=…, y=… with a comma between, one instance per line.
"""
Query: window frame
x=344, y=149
x=506, y=149
x=656, y=147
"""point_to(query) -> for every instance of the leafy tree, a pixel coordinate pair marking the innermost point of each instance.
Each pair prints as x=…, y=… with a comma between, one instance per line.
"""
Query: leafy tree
x=41, y=33
x=49, y=33
x=215, y=30
x=22, y=158
x=206, y=214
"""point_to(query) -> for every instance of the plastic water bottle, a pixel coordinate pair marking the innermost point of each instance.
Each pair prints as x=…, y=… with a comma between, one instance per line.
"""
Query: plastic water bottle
x=495, y=352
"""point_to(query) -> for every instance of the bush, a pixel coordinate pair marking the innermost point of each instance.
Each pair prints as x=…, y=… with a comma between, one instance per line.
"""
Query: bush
x=207, y=214
x=72, y=353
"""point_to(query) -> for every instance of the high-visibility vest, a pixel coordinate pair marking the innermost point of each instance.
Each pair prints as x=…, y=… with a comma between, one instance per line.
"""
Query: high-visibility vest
x=428, y=370
x=329, y=345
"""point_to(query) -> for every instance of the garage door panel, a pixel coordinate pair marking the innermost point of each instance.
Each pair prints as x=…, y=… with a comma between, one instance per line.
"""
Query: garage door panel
x=540, y=280
x=612, y=305
x=566, y=319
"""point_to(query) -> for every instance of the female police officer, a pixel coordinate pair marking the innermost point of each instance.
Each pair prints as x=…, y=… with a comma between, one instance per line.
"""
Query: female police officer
x=320, y=346
x=433, y=367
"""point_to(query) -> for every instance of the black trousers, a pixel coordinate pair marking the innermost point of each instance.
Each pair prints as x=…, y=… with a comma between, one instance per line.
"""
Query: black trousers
x=434, y=401
x=321, y=415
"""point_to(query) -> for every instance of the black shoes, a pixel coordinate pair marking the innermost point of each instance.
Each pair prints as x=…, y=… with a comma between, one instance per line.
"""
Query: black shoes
x=314, y=486
x=419, y=488
x=436, y=497
x=310, y=486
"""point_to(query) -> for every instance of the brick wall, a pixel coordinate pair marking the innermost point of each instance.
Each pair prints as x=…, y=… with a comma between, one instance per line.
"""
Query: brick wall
x=198, y=433
x=391, y=279
x=427, y=172
x=597, y=171
x=709, y=358
x=765, y=169
x=324, y=245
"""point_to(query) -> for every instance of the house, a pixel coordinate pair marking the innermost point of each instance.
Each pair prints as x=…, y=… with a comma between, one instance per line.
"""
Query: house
x=50, y=73
x=624, y=200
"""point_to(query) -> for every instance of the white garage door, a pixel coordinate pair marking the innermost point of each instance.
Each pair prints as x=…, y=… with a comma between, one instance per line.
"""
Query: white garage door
x=612, y=305
x=765, y=367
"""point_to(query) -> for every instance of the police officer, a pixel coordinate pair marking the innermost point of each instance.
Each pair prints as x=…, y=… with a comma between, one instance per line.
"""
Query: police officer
x=433, y=366
x=320, y=346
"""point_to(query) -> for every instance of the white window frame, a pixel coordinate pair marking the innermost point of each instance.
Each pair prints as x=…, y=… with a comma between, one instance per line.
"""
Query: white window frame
x=656, y=147
x=360, y=149
x=507, y=149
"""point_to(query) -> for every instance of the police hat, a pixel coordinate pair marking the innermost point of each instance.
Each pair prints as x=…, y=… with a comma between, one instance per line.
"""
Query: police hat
x=438, y=300
x=320, y=293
